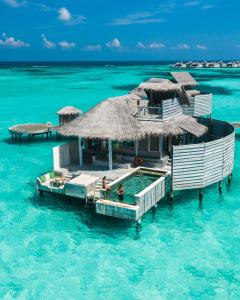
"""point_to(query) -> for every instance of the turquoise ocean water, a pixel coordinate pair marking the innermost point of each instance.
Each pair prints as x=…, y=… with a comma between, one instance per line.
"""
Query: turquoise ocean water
x=55, y=248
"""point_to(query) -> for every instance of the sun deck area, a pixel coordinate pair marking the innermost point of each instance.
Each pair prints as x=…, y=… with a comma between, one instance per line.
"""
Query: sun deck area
x=86, y=184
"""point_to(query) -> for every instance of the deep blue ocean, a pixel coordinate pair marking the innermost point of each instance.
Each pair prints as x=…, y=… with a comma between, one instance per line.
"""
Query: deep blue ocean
x=55, y=248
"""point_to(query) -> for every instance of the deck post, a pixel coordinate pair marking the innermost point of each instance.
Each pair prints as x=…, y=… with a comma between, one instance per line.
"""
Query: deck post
x=200, y=195
x=110, y=154
x=220, y=187
x=80, y=151
x=229, y=179
x=136, y=148
x=170, y=196
x=161, y=147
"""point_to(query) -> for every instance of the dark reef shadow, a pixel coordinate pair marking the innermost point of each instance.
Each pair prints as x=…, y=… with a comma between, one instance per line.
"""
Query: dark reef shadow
x=127, y=87
x=37, y=139
x=215, y=90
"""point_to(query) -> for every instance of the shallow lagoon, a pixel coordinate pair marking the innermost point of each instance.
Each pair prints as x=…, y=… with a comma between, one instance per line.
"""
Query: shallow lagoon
x=56, y=248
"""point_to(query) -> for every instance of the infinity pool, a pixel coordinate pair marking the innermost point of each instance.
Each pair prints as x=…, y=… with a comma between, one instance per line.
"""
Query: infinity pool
x=132, y=185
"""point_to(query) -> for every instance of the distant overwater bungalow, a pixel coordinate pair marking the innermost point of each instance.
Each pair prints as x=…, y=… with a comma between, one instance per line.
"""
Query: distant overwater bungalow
x=206, y=64
x=129, y=152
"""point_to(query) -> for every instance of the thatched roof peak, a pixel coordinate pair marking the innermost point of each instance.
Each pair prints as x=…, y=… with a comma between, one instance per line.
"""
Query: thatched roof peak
x=109, y=119
x=164, y=85
x=69, y=110
x=184, y=78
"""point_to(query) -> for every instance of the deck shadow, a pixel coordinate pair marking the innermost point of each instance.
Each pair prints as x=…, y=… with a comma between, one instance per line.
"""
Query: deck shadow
x=86, y=215
x=38, y=139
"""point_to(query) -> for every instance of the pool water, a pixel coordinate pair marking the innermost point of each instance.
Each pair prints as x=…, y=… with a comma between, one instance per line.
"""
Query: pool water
x=53, y=247
x=132, y=185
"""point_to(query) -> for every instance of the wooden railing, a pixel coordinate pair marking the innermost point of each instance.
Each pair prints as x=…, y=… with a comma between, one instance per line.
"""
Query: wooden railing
x=149, y=112
x=169, y=108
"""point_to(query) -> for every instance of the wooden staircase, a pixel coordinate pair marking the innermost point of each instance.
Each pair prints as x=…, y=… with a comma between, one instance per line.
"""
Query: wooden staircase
x=94, y=195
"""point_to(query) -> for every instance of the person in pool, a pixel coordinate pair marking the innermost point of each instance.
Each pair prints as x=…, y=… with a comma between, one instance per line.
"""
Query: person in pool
x=105, y=185
x=120, y=192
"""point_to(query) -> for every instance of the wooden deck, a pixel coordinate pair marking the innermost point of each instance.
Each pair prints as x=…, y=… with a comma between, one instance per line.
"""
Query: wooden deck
x=236, y=124
x=94, y=170
x=31, y=129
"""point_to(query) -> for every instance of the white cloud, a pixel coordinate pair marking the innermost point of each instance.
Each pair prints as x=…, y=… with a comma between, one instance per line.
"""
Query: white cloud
x=139, y=18
x=156, y=45
x=64, y=14
x=140, y=45
x=46, y=43
x=182, y=46
x=207, y=6
x=92, y=48
x=191, y=3
x=66, y=45
x=115, y=43
x=12, y=42
x=15, y=3
x=75, y=20
x=201, y=47
x=153, y=45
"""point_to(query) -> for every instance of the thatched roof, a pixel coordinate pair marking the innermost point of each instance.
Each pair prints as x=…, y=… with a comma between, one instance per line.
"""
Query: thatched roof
x=69, y=110
x=109, y=119
x=132, y=101
x=162, y=85
x=192, y=93
x=184, y=78
x=161, y=89
x=139, y=92
x=159, y=84
x=174, y=126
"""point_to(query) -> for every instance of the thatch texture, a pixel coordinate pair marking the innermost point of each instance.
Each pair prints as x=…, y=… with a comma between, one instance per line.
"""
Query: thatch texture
x=132, y=101
x=159, y=84
x=174, y=126
x=139, y=92
x=109, y=119
x=192, y=93
x=158, y=89
x=162, y=85
x=184, y=78
x=69, y=110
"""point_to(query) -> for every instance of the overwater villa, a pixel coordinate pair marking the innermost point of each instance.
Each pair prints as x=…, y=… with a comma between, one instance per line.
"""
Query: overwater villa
x=157, y=139
x=206, y=64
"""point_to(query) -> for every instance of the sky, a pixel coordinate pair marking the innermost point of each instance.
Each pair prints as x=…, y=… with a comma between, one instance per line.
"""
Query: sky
x=86, y=30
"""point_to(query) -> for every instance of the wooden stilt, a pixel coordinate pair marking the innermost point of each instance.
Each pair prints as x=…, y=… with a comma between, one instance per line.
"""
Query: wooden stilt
x=200, y=195
x=229, y=179
x=220, y=187
x=170, y=196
